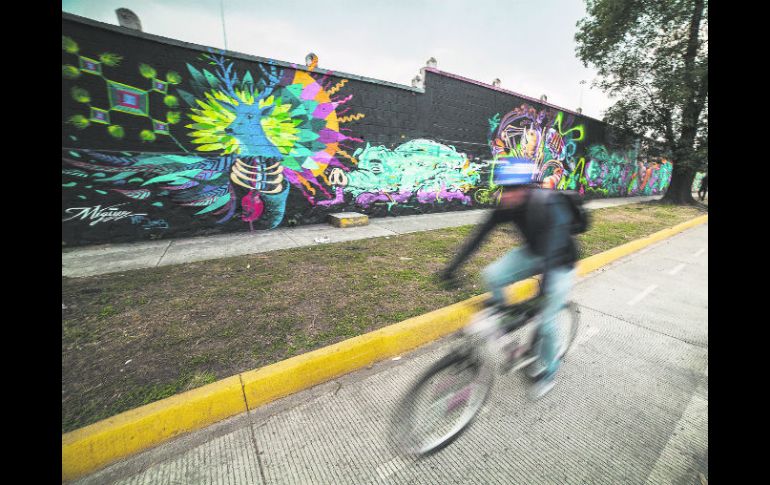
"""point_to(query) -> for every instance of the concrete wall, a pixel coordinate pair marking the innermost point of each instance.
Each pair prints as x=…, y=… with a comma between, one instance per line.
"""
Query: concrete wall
x=166, y=139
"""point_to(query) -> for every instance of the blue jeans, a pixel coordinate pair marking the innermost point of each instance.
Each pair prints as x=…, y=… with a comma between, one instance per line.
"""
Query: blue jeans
x=521, y=263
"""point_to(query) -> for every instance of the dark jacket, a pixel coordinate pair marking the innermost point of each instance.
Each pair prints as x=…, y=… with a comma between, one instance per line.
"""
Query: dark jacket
x=544, y=222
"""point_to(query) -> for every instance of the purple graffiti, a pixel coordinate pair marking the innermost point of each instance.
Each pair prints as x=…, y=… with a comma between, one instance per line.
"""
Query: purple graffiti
x=368, y=198
x=425, y=197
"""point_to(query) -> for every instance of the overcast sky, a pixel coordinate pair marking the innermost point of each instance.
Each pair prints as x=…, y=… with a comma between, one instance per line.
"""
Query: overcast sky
x=528, y=44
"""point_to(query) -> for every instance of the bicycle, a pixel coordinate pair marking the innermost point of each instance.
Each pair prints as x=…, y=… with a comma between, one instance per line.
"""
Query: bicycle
x=456, y=387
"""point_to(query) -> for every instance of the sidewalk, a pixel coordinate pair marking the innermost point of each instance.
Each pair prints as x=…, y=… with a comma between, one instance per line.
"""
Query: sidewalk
x=112, y=258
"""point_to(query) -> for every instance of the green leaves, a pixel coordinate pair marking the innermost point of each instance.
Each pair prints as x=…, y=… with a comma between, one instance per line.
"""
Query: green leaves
x=147, y=135
x=110, y=59
x=116, y=131
x=70, y=72
x=147, y=71
x=173, y=77
x=68, y=45
x=171, y=101
x=80, y=95
x=173, y=117
x=79, y=121
x=652, y=57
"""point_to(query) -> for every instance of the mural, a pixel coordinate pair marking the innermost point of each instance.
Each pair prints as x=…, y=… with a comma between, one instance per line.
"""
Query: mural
x=544, y=137
x=252, y=139
x=555, y=144
x=696, y=181
x=425, y=170
x=160, y=140
x=618, y=174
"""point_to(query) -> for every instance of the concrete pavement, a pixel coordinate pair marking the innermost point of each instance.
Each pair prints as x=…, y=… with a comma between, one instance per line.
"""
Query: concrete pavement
x=111, y=258
x=630, y=405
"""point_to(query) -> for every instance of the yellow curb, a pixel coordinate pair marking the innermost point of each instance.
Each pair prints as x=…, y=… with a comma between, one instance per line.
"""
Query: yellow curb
x=87, y=449
x=592, y=263
x=90, y=448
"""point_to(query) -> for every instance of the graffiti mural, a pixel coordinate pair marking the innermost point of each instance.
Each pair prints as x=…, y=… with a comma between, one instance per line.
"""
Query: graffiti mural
x=696, y=181
x=161, y=139
x=251, y=139
x=422, y=170
x=618, y=174
x=121, y=98
x=555, y=144
x=544, y=137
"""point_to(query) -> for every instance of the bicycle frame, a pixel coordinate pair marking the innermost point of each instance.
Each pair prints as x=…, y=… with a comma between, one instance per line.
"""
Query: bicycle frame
x=487, y=322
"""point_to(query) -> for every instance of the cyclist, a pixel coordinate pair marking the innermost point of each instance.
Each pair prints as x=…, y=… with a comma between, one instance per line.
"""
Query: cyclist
x=544, y=218
x=704, y=187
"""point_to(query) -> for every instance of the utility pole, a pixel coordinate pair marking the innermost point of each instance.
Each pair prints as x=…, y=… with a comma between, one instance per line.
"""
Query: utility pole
x=580, y=104
x=222, y=12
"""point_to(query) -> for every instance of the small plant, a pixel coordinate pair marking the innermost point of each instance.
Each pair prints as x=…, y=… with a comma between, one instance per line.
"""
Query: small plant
x=200, y=379
x=107, y=311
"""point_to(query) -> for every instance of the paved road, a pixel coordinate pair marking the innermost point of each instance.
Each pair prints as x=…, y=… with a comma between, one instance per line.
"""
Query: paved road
x=111, y=258
x=630, y=405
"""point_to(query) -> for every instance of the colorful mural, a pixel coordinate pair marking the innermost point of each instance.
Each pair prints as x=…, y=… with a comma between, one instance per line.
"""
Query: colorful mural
x=425, y=170
x=254, y=138
x=159, y=140
x=696, y=181
x=122, y=98
x=555, y=144
x=544, y=137
x=619, y=174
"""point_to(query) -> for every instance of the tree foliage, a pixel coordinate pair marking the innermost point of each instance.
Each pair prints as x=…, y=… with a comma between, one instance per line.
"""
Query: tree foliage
x=652, y=56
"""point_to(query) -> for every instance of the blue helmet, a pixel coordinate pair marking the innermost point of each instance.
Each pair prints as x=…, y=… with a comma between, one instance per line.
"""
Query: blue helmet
x=512, y=171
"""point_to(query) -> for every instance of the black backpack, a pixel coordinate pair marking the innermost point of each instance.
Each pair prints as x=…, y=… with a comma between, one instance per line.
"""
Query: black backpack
x=580, y=219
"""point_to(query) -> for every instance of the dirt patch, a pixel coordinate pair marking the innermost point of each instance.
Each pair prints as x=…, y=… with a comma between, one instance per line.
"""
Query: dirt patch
x=139, y=336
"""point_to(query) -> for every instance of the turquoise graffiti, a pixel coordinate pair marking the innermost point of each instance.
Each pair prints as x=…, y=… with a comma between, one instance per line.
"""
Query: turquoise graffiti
x=623, y=173
x=419, y=170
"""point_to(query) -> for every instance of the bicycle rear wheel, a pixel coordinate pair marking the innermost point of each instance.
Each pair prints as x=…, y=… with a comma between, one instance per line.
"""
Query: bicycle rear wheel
x=443, y=402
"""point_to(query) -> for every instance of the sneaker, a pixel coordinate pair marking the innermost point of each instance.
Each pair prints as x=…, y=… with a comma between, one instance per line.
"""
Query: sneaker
x=540, y=387
x=514, y=353
x=535, y=370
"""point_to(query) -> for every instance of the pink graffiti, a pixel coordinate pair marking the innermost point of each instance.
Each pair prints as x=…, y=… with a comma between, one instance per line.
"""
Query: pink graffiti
x=253, y=207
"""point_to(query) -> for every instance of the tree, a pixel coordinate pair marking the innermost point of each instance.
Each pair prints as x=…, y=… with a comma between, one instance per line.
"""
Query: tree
x=652, y=55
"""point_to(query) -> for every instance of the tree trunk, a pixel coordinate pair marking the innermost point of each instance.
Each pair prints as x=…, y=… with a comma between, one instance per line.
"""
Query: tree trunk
x=680, y=189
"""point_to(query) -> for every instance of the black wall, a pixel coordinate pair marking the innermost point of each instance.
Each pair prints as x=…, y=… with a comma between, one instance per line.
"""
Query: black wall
x=448, y=110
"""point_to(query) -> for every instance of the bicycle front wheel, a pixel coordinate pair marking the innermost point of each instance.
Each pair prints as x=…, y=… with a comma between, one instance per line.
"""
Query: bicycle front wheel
x=443, y=402
x=567, y=321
